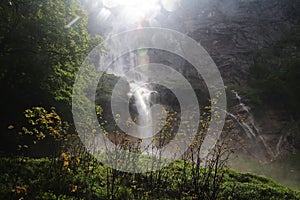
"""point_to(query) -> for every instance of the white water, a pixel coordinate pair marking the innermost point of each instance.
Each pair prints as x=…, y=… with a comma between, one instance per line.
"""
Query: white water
x=142, y=95
x=140, y=91
x=248, y=131
x=251, y=129
x=278, y=145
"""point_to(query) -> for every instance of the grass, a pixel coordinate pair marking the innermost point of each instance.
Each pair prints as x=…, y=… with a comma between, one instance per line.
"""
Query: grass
x=55, y=179
x=285, y=170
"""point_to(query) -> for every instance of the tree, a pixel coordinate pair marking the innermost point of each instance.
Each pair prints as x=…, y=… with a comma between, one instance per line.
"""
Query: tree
x=40, y=53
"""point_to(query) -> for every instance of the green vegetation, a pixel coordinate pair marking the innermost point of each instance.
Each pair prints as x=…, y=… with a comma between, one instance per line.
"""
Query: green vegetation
x=285, y=170
x=71, y=173
x=39, y=55
x=71, y=178
x=274, y=78
x=42, y=155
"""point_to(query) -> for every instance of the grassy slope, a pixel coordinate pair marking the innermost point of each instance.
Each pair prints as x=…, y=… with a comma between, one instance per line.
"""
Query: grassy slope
x=50, y=179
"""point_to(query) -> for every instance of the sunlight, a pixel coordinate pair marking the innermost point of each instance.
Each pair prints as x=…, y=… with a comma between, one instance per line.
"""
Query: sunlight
x=135, y=10
x=134, y=3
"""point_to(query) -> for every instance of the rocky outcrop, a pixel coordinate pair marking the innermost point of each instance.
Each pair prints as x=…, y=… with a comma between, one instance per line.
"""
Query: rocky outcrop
x=264, y=135
x=230, y=29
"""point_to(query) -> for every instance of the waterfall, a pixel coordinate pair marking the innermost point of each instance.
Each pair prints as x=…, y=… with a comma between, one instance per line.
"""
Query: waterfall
x=142, y=96
x=140, y=91
x=278, y=145
x=237, y=96
x=245, y=126
x=250, y=128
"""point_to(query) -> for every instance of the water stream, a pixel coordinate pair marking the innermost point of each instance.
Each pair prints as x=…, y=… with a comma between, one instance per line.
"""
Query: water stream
x=252, y=132
x=142, y=96
x=140, y=91
x=285, y=170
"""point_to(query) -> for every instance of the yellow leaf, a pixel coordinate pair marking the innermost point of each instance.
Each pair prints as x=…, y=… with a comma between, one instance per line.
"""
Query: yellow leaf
x=64, y=155
x=74, y=188
x=10, y=127
x=66, y=163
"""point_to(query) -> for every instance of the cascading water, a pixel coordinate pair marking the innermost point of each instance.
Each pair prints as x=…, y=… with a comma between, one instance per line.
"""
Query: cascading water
x=251, y=129
x=125, y=15
x=140, y=91
x=278, y=145
x=142, y=101
x=142, y=96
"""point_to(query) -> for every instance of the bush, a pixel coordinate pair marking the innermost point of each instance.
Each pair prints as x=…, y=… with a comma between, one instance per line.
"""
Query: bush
x=41, y=179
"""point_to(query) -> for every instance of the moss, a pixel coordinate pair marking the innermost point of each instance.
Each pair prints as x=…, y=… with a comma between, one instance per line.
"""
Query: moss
x=47, y=179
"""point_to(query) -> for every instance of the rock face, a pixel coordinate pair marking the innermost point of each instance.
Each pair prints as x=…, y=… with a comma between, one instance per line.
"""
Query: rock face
x=266, y=136
x=227, y=29
x=230, y=30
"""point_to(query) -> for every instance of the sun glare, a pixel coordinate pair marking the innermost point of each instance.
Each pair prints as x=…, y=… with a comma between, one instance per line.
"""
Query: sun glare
x=134, y=10
x=135, y=3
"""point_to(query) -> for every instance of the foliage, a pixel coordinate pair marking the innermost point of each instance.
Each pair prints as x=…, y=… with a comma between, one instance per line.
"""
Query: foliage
x=38, y=50
x=42, y=124
x=74, y=174
x=41, y=179
x=274, y=77
x=40, y=54
x=247, y=186
x=42, y=121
